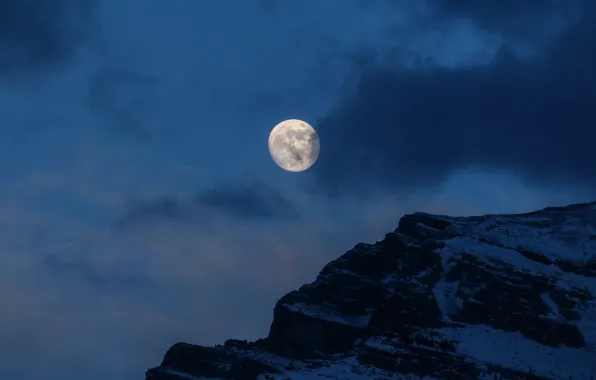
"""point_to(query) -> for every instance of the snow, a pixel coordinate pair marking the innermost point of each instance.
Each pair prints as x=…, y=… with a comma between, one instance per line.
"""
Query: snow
x=379, y=343
x=587, y=325
x=266, y=357
x=512, y=350
x=346, y=369
x=186, y=376
x=496, y=240
x=445, y=294
x=330, y=314
x=553, y=307
x=455, y=247
x=466, y=244
x=568, y=239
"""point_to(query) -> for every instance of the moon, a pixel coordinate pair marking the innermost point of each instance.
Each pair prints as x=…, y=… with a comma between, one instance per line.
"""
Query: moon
x=294, y=145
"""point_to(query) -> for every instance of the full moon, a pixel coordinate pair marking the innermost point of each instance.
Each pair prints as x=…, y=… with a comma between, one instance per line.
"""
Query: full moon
x=294, y=145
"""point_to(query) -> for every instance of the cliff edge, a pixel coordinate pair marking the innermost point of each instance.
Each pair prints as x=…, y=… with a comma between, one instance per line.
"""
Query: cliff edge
x=483, y=297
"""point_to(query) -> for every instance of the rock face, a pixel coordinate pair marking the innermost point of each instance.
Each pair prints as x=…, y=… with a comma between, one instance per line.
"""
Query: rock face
x=488, y=297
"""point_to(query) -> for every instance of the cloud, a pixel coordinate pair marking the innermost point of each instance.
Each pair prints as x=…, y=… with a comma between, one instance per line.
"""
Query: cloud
x=520, y=18
x=404, y=127
x=255, y=201
x=36, y=35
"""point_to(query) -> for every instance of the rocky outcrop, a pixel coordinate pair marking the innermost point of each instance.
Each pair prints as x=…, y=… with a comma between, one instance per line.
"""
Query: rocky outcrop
x=211, y=362
x=505, y=296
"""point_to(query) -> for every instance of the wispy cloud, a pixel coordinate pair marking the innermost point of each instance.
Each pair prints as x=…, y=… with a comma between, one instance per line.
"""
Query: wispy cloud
x=248, y=202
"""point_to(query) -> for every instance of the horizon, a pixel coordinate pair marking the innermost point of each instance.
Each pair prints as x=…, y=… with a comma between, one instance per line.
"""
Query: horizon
x=140, y=204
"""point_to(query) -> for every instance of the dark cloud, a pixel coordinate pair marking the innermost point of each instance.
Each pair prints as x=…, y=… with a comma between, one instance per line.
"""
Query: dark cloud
x=408, y=127
x=256, y=201
x=515, y=17
x=36, y=35
x=166, y=207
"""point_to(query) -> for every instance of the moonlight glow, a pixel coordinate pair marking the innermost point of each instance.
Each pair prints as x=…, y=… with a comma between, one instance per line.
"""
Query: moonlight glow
x=294, y=145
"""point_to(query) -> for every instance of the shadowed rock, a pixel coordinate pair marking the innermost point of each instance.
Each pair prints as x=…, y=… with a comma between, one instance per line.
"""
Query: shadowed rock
x=444, y=297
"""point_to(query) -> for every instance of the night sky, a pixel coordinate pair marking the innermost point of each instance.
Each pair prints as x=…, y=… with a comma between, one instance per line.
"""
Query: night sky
x=139, y=205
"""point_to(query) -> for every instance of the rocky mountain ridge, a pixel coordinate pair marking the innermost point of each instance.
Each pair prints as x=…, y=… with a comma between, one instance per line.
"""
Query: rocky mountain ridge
x=485, y=297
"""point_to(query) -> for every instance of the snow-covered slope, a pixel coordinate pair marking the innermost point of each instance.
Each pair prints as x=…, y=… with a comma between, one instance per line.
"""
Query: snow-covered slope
x=497, y=296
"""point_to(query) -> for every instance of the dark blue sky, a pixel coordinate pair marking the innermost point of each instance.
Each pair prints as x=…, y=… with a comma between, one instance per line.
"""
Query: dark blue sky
x=139, y=204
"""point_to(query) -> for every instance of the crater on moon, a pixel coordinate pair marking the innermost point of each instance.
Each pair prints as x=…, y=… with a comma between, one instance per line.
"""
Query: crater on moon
x=294, y=145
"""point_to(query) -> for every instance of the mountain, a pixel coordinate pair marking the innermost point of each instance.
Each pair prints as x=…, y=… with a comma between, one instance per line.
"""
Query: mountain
x=483, y=297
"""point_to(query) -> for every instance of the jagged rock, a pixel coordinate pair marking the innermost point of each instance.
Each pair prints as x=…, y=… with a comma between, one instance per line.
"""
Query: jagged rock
x=210, y=362
x=440, y=297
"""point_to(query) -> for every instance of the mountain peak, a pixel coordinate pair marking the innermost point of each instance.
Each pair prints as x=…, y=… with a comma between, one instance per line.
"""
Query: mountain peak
x=440, y=297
